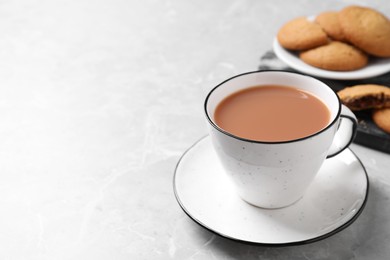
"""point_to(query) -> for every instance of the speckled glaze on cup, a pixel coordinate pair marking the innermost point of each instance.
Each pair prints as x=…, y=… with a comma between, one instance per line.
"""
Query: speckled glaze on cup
x=276, y=174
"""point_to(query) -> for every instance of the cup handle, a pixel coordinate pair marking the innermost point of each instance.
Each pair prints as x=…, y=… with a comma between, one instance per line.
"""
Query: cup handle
x=345, y=133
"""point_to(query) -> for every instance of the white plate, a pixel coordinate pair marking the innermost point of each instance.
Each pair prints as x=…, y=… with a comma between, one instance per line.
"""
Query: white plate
x=334, y=200
x=375, y=67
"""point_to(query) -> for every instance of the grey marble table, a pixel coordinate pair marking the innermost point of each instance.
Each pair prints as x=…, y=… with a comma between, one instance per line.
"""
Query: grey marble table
x=98, y=101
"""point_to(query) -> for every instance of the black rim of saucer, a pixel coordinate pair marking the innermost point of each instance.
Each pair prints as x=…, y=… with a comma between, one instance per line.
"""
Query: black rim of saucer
x=296, y=243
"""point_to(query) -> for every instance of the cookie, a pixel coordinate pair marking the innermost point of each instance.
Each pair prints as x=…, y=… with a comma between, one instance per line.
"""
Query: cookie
x=329, y=21
x=336, y=56
x=301, y=34
x=367, y=29
x=381, y=118
x=366, y=96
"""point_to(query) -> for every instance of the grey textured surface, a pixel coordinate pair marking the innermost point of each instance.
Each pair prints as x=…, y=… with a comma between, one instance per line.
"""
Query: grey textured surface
x=98, y=101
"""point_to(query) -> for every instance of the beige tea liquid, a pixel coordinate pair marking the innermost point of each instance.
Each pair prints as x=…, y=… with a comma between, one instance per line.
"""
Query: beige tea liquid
x=272, y=113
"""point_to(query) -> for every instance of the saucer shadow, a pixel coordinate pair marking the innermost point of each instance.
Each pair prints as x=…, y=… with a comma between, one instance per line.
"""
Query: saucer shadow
x=365, y=237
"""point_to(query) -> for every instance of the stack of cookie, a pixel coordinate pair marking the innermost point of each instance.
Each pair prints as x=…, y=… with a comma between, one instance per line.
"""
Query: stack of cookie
x=369, y=96
x=344, y=41
x=338, y=41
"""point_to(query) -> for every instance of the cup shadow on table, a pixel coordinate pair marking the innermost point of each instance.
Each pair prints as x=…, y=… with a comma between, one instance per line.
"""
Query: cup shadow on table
x=367, y=235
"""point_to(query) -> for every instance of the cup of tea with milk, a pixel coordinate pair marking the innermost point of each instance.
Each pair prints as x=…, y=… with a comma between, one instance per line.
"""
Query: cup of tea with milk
x=272, y=131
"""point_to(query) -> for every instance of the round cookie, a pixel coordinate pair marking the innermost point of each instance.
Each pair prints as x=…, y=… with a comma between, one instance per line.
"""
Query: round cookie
x=365, y=96
x=301, y=34
x=367, y=29
x=336, y=56
x=381, y=118
x=329, y=21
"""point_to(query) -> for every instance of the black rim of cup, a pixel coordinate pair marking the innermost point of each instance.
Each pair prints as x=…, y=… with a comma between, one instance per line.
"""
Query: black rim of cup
x=211, y=121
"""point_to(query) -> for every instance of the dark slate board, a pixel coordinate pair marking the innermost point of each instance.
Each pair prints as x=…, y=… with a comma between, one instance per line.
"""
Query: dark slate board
x=368, y=134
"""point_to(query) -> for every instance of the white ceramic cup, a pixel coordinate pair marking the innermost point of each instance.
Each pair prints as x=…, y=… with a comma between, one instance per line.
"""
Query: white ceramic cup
x=277, y=174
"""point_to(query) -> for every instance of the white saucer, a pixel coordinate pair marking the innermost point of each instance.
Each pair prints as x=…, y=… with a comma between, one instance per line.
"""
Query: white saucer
x=375, y=67
x=333, y=201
